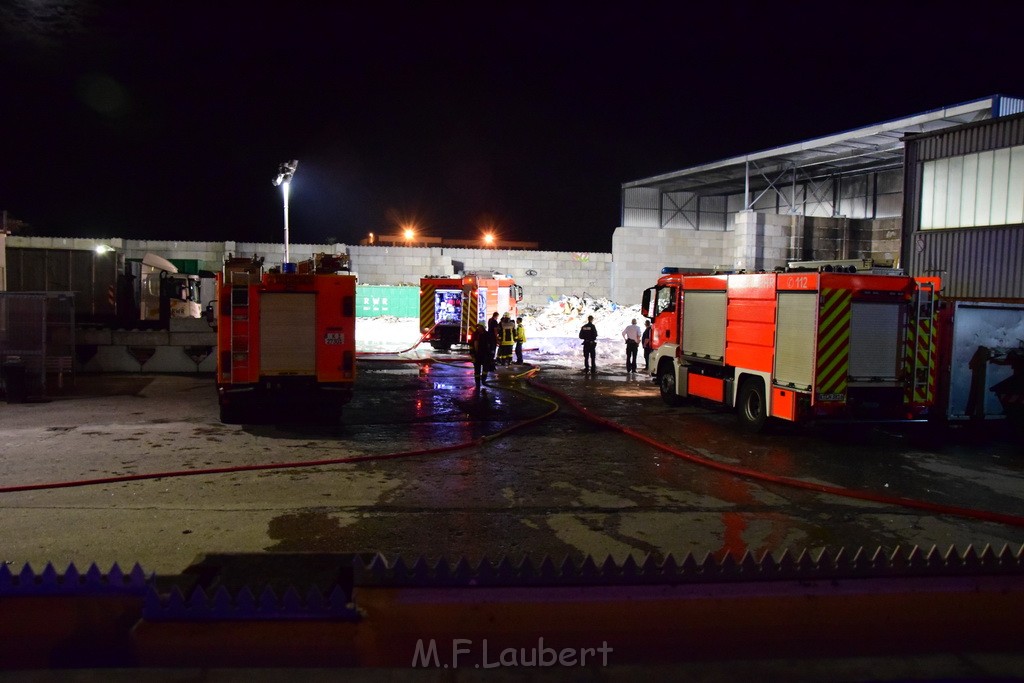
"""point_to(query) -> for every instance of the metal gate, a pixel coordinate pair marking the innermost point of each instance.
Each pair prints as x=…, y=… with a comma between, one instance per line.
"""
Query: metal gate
x=37, y=333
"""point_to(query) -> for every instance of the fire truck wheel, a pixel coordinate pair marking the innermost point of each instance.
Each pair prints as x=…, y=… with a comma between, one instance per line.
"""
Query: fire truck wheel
x=441, y=346
x=667, y=385
x=231, y=414
x=751, y=405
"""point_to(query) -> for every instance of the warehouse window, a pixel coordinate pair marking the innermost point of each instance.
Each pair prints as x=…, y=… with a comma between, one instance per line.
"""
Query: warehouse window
x=972, y=190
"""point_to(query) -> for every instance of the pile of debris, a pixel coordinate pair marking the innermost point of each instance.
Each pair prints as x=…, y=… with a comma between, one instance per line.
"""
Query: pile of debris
x=564, y=317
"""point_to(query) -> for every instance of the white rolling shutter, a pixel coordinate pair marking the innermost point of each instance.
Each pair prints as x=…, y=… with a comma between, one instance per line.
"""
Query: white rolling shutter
x=875, y=334
x=288, y=334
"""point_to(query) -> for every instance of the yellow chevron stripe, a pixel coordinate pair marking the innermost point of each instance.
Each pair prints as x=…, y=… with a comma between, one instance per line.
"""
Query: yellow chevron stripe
x=427, y=306
x=469, y=314
x=833, y=342
x=927, y=361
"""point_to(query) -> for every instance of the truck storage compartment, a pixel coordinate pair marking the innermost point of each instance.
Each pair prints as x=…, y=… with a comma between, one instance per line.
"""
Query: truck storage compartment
x=876, y=334
x=796, y=339
x=288, y=333
x=704, y=325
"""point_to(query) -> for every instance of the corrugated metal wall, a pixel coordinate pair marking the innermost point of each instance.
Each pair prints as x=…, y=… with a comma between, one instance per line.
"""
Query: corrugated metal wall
x=86, y=273
x=713, y=213
x=975, y=137
x=1010, y=105
x=641, y=207
x=975, y=263
x=873, y=195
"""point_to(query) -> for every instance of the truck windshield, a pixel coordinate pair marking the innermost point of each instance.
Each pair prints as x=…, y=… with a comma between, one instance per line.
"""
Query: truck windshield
x=665, y=300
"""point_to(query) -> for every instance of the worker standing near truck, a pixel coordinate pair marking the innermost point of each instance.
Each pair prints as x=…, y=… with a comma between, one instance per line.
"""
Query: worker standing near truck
x=482, y=350
x=632, y=336
x=588, y=333
x=506, y=339
x=492, y=329
x=645, y=341
x=520, y=338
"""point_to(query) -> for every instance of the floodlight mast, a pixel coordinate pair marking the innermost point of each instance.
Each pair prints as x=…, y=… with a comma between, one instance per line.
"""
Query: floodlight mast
x=284, y=178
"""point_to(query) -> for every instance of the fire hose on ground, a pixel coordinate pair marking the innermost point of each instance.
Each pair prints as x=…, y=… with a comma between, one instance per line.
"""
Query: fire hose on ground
x=306, y=463
x=936, y=508
x=926, y=506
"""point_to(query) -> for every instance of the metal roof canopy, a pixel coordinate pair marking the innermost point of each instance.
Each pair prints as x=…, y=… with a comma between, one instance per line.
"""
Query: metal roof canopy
x=871, y=148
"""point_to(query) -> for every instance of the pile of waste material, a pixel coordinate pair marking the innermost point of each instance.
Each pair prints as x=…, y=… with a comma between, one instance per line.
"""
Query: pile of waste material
x=563, y=317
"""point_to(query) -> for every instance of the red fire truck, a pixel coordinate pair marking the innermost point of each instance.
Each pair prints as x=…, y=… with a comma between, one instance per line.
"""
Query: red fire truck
x=285, y=339
x=451, y=306
x=796, y=345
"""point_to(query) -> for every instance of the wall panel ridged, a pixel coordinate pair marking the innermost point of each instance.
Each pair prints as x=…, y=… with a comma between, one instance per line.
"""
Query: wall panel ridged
x=981, y=137
x=980, y=263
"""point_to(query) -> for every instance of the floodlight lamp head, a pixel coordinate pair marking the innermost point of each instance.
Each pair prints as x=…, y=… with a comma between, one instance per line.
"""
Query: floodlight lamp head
x=285, y=172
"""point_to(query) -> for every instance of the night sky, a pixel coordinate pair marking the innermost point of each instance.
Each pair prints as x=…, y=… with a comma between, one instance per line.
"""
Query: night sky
x=167, y=120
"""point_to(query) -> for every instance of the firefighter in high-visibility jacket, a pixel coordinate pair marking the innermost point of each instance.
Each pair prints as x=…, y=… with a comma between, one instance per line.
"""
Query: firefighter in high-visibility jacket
x=520, y=338
x=506, y=339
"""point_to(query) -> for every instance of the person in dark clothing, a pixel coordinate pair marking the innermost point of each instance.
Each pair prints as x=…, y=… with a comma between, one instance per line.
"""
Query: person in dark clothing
x=492, y=329
x=588, y=333
x=482, y=350
x=633, y=336
x=645, y=342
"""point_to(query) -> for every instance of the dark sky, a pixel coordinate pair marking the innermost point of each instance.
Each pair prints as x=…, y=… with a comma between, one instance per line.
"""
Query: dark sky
x=167, y=120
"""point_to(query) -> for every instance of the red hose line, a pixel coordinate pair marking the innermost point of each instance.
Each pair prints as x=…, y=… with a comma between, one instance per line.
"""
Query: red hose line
x=983, y=515
x=423, y=338
x=240, y=468
x=278, y=465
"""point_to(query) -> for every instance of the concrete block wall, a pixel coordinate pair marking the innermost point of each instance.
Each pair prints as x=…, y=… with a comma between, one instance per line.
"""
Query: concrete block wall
x=824, y=238
x=762, y=240
x=818, y=238
x=106, y=350
x=758, y=241
x=543, y=274
x=639, y=254
x=881, y=239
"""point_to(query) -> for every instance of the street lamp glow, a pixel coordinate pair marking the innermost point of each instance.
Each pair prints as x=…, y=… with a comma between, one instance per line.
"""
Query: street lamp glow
x=284, y=178
x=489, y=239
x=409, y=234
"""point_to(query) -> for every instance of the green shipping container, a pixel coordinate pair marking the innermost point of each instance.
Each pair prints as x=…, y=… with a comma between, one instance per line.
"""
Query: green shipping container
x=399, y=301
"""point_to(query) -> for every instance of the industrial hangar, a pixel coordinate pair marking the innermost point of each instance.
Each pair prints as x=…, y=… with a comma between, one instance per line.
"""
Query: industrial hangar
x=936, y=193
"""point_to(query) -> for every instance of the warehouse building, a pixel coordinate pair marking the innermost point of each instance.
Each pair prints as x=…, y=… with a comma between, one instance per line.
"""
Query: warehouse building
x=964, y=208
x=844, y=196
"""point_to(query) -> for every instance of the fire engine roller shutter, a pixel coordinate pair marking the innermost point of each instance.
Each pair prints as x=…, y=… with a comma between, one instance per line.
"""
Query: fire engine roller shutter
x=795, y=334
x=704, y=325
x=874, y=341
x=288, y=334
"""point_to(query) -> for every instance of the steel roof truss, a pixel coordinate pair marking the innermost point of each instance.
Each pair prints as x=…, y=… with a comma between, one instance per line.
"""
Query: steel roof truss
x=679, y=209
x=771, y=185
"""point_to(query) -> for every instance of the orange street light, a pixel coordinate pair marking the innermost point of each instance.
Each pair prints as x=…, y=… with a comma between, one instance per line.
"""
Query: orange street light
x=489, y=239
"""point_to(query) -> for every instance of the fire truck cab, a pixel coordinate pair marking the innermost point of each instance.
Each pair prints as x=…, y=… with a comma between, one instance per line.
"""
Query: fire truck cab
x=796, y=345
x=452, y=306
x=285, y=339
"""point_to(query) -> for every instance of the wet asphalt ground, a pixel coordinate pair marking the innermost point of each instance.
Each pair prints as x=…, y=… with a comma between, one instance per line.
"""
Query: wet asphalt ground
x=560, y=486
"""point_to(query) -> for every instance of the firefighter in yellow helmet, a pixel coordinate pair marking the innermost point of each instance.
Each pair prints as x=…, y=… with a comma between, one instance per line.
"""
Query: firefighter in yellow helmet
x=506, y=339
